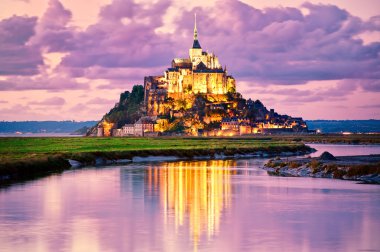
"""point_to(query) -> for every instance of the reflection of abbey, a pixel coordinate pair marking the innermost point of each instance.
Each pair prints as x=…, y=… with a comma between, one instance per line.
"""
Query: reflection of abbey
x=195, y=96
x=200, y=73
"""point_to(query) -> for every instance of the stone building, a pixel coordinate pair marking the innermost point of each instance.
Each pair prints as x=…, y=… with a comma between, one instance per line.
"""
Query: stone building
x=200, y=73
x=128, y=130
x=142, y=126
x=99, y=131
x=230, y=124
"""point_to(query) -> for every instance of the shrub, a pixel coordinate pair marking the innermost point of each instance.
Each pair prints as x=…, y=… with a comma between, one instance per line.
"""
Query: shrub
x=339, y=173
x=274, y=164
x=270, y=164
x=283, y=164
x=329, y=168
x=294, y=164
x=314, y=165
x=360, y=170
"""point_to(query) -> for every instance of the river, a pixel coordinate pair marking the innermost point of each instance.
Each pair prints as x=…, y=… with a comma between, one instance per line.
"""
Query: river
x=213, y=205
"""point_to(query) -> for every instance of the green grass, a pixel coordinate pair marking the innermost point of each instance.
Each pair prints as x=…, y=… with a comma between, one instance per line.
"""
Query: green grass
x=13, y=149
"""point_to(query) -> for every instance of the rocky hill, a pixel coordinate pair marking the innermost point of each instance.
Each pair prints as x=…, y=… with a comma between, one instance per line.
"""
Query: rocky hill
x=128, y=110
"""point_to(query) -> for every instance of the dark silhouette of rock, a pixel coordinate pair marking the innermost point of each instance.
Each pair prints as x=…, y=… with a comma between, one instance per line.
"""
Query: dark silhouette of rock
x=327, y=156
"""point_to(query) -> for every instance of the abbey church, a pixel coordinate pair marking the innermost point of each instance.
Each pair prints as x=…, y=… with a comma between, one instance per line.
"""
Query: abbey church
x=195, y=96
x=200, y=73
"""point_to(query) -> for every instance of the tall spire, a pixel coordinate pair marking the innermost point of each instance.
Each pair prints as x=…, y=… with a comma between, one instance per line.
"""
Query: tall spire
x=196, y=42
x=195, y=27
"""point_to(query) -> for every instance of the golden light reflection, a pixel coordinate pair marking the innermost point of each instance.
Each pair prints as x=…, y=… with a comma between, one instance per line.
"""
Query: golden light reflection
x=196, y=192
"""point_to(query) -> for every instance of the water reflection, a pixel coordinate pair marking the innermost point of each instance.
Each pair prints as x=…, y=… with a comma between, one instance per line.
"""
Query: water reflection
x=193, y=192
x=185, y=206
x=345, y=149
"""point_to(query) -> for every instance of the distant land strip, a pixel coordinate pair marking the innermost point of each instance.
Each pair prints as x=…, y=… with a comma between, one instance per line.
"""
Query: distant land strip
x=325, y=126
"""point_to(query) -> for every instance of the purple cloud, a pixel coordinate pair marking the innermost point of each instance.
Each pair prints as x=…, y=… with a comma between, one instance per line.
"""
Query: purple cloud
x=283, y=46
x=272, y=46
x=16, y=56
x=371, y=85
x=338, y=92
x=41, y=83
x=112, y=44
x=53, y=32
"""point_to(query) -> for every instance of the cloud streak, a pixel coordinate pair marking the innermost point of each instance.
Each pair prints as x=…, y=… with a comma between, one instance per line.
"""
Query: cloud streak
x=53, y=101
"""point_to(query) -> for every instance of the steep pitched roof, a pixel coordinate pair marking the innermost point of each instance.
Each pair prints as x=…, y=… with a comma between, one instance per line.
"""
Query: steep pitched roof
x=196, y=44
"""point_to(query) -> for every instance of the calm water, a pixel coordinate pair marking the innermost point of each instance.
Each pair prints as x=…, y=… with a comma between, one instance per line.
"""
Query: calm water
x=345, y=149
x=221, y=205
x=39, y=135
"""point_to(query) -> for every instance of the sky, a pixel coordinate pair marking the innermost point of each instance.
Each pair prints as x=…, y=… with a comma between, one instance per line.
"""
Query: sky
x=70, y=60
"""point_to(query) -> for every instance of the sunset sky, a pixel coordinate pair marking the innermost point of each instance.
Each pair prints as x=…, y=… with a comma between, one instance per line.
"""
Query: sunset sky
x=70, y=59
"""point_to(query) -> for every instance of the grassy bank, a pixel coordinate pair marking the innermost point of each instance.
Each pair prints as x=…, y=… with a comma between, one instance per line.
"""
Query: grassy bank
x=24, y=157
x=12, y=149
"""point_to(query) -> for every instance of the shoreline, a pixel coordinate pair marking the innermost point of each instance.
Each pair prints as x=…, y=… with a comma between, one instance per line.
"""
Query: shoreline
x=23, y=170
x=363, y=168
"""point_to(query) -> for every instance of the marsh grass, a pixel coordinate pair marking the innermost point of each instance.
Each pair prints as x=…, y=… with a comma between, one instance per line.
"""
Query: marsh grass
x=339, y=173
x=361, y=170
x=315, y=166
x=294, y=164
x=330, y=168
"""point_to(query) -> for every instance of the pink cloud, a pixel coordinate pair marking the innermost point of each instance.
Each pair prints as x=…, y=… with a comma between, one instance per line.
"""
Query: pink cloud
x=41, y=83
x=54, y=101
x=99, y=100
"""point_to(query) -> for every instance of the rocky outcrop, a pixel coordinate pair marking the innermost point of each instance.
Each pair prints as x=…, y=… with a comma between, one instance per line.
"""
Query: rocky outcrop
x=327, y=156
x=365, y=169
x=127, y=110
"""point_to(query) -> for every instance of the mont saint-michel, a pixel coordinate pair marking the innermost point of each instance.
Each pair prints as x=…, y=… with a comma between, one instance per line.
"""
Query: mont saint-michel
x=195, y=96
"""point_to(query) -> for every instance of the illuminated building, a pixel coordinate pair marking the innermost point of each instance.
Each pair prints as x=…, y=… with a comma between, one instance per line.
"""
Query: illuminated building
x=200, y=73
x=196, y=96
x=105, y=129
